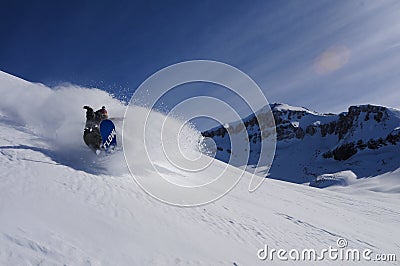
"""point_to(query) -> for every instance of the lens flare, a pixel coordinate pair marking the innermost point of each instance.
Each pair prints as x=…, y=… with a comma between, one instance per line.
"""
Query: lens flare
x=331, y=59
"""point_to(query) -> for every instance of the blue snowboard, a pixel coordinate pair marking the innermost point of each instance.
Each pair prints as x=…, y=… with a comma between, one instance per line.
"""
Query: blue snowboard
x=108, y=135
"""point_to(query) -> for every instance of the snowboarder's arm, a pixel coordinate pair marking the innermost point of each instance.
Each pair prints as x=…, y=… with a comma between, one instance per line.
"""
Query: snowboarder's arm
x=89, y=112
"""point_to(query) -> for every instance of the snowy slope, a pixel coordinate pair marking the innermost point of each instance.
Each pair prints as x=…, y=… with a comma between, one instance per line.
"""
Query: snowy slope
x=61, y=205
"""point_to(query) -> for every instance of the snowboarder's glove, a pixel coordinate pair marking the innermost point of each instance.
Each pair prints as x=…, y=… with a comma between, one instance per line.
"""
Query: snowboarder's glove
x=86, y=107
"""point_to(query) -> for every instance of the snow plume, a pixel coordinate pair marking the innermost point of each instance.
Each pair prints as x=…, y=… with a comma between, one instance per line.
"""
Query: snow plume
x=56, y=116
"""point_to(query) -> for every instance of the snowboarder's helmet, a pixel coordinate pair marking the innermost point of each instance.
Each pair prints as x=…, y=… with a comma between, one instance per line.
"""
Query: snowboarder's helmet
x=103, y=112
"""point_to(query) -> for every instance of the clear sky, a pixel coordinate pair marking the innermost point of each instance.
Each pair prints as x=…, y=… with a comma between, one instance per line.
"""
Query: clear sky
x=322, y=55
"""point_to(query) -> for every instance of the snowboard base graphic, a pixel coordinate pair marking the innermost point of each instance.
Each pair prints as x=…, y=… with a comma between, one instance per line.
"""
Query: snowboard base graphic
x=108, y=135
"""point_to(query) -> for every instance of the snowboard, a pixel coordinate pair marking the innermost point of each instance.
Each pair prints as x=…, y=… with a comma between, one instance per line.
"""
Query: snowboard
x=108, y=135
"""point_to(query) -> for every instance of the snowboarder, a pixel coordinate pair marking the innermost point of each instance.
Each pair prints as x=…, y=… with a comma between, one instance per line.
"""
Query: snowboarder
x=91, y=133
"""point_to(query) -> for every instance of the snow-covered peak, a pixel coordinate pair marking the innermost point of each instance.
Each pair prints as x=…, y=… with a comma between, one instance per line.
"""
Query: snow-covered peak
x=286, y=107
x=308, y=140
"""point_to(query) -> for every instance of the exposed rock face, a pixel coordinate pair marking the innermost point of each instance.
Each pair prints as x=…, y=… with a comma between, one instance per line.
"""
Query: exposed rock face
x=345, y=123
x=364, y=140
x=299, y=123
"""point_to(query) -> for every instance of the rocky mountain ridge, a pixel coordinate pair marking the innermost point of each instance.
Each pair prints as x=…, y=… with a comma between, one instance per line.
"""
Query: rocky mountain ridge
x=321, y=138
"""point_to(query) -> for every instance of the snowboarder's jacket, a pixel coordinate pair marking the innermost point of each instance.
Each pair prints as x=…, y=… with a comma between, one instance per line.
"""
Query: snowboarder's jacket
x=91, y=134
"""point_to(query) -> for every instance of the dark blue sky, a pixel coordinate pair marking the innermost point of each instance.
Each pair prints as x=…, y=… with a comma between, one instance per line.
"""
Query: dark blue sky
x=110, y=43
x=323, y=55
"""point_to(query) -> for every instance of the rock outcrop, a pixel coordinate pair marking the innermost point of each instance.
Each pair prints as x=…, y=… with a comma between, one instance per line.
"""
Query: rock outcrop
x=299, y=123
